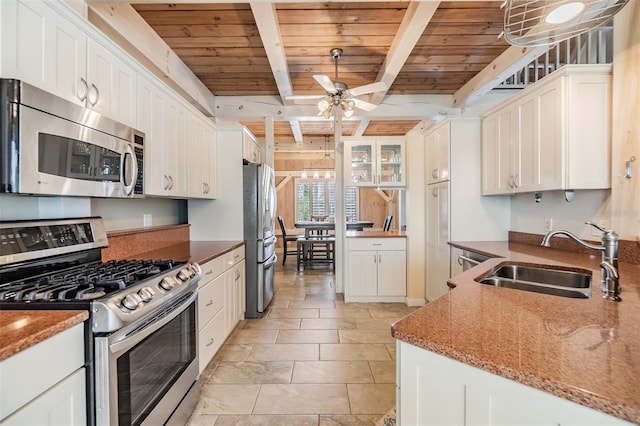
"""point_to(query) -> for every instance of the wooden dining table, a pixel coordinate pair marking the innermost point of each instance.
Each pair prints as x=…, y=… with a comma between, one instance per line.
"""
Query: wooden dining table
x=310, y=226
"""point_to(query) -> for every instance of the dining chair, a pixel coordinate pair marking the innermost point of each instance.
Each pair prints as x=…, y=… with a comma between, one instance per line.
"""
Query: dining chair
x=286, y=239
x=387, y=222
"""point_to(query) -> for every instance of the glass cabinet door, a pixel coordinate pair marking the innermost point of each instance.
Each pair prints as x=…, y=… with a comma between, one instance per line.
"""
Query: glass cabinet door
x=390, y=163
x=360, y=164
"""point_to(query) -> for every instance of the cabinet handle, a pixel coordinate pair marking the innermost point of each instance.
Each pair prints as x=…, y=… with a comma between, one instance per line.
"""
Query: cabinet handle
x=209, y=303
x=376, y=244
x=379, y=258
x=510, y=182
x=515, y=181
x=434, y=193
x=209, y=272
x=97, y=95
x=166, y=182
x=170, y=182
x=210, y=342
x=434, y=174
x=237, y=275
x=375, y=258
x=86, y=90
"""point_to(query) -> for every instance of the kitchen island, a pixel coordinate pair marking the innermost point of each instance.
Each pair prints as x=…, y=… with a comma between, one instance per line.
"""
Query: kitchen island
x=582, y=350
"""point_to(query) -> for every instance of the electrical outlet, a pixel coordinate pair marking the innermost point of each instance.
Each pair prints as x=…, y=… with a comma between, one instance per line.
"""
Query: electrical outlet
x=147, y=219
x=548, y=224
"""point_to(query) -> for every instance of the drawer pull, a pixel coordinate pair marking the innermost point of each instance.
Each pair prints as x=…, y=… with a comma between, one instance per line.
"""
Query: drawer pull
x=210, y=342
x=209, y=272
x=236, y=256
x=376, y=244
x=209, y=303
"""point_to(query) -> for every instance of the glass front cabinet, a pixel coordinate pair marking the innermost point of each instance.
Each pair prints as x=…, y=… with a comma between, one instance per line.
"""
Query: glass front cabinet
x=375, y=162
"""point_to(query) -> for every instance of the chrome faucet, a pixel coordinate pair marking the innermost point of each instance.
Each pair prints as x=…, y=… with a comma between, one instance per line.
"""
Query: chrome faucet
x=609, y=276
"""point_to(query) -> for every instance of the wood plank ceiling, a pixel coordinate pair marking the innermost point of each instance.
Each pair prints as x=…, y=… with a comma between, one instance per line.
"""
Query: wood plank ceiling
x=221, y=43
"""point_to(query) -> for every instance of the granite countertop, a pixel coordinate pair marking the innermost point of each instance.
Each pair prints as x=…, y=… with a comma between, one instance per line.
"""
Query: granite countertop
x=194, y=251
x=583, y=350
x=376, y=234
x=20, y=330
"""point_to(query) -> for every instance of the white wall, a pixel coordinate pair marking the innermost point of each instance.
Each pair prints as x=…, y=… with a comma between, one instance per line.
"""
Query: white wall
x=119, y=214
x=21, y=207
x=588, y=205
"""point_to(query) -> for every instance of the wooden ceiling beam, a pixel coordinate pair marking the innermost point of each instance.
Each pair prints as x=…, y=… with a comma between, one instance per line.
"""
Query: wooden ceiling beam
x=296, y=130
x=413, y=23
x=362, y=127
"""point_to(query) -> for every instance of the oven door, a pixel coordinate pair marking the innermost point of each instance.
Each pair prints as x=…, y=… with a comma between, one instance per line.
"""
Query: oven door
x=147, y=373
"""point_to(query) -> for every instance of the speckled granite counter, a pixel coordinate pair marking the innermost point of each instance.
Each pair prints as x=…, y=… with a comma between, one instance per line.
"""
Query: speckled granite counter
x=195, y=251
x=583, y=350
x=20, y=330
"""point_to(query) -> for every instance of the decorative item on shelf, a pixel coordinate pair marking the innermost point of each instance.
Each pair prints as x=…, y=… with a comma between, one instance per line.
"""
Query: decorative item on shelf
x=538, y=23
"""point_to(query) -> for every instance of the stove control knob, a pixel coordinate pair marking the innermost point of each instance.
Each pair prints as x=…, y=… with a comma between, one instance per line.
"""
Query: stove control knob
x=168, y=283
x=146, y=294
x=184, y=275
x=131, y=301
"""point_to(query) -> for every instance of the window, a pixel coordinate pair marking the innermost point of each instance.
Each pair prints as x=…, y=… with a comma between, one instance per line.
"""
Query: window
x=317, y=197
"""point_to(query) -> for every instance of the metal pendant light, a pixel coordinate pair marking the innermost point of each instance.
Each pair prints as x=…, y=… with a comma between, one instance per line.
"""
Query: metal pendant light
x=537, y=23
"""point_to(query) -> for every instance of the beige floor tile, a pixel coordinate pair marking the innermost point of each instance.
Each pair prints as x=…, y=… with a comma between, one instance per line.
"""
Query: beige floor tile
x=371, y=399
x=227, y=399
x=332, y=372
x=285, y=352
x=383, y=371
x=322, y=296
x=231, y=352
x=328, y=324
x=346, y=311
x=280, y=304
x=294, y=313
x=366, y=336
x=354, y=352
x=252, y=372
x=349, y=420
x=373, y=323
x=307, y=336
x=268, y=420
x=312, y=304
x=249, y=336
x=202, y=420
x=391, y=347
x=273, y=324
x=394, y=311
x=302, y=399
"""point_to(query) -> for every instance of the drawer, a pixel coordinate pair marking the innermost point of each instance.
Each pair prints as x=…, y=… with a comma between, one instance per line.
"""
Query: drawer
x=210, y=339
x=212, y=269
x=234, y=256
x=210, y=300
x=377, y=243
x=64, y=354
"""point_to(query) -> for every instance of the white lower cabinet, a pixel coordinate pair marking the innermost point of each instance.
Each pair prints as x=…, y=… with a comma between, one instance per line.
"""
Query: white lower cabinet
x=221, y=301
x=435, y=390
x=376, y=270
x=51, y=389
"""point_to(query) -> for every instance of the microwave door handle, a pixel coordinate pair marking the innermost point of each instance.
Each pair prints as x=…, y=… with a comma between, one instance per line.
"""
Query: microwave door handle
x=130, y=154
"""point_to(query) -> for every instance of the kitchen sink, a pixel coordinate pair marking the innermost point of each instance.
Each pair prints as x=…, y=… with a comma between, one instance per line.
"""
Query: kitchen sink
x=553, y=280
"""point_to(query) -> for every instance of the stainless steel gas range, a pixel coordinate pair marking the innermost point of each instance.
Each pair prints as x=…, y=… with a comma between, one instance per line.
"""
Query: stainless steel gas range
x=141, y=352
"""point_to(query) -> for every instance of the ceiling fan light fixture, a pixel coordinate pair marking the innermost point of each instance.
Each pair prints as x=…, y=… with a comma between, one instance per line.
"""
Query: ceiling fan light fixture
x=565, y=13
x=348, y=113
x=323, y=105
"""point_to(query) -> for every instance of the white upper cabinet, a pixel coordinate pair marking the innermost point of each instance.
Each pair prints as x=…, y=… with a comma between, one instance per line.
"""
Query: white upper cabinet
x=54, y=54
x=438, y=142
x=554, y=135
x=251, y=149
x=375, y=162
x=201, y=138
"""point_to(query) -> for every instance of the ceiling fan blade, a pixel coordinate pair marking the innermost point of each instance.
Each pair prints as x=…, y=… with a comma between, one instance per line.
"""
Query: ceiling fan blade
x=368, y=88
x=367, y=106
x=326, y=83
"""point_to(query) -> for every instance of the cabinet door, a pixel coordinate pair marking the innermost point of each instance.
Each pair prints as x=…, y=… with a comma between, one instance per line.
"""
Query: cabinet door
x=497, y=139
x=112, y=84
x=151, y=121
x=198, y=152
x=63, y=404
x=240, y=282
x=392, y=271
x=359, y=163
x=210, y=171
x=437, y=227
x=363, y=275
x=174, y=149
x=42, y=48
x=438, y=142
x=390, y=160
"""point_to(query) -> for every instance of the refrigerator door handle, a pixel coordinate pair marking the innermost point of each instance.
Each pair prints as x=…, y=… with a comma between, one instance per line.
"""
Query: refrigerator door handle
x=270, y=262
x=269, y=241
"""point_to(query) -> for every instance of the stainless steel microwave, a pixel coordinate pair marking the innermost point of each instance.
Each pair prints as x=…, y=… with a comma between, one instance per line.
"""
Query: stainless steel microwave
x=50, y=146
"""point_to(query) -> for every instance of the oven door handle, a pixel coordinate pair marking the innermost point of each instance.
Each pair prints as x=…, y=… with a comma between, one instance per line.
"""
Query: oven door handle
x=129, y=170
x=130, y=336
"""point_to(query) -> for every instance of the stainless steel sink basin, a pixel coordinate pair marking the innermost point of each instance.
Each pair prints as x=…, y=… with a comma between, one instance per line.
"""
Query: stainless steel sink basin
x=553, y=280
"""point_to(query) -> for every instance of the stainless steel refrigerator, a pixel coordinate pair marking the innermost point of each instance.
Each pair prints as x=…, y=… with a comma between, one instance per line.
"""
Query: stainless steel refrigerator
x=259, y=234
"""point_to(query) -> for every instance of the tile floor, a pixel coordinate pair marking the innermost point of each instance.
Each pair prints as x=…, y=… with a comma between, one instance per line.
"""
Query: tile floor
x=312, y=360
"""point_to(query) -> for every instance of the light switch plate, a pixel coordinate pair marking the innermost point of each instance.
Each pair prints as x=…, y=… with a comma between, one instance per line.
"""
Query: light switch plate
x=147, y=219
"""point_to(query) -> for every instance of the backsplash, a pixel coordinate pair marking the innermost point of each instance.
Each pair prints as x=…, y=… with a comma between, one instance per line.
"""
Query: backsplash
x=131, y=243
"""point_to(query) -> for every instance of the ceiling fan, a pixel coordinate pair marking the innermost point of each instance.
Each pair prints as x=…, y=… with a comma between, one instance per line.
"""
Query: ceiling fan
x=338, y=93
